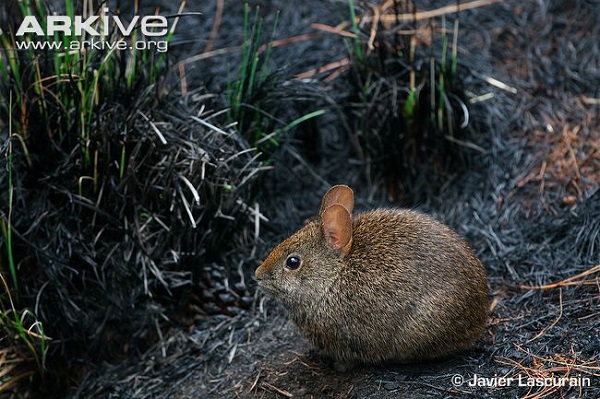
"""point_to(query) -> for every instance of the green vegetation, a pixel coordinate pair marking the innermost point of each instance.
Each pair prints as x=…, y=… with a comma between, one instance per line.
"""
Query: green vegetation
x=407, y=103
x=248, y=91
x=251, y=107
x=355, y=46
x=26, y=352
x=54, y=96
x=58, y=92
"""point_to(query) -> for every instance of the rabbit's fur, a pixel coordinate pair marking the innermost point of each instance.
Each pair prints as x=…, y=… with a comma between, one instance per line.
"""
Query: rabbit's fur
x=386, y=285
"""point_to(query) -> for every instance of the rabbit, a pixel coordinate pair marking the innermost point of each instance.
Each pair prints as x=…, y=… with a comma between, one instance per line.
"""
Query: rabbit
x=389, y=285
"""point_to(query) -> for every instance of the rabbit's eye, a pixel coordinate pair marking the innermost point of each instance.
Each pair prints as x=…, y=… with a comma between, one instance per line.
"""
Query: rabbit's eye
x=293, y=262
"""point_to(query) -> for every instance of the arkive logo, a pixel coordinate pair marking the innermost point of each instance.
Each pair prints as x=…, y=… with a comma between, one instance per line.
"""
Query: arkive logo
x=154, y=25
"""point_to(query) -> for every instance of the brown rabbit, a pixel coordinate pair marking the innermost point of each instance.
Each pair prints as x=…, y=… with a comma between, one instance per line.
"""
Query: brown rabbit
x=386, y=285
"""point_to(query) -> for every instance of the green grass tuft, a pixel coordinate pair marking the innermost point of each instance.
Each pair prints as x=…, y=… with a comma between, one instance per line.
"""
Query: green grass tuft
x=250, y=95
x=53, y=93
x=58, y=92
x=407, y=98
x=22, y=333
x=246, y=92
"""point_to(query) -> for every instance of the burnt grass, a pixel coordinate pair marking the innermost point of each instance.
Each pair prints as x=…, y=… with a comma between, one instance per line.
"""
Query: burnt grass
x=521, y=186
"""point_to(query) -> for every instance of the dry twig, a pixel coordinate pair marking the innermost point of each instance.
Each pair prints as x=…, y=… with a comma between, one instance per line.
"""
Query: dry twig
x=570, y=281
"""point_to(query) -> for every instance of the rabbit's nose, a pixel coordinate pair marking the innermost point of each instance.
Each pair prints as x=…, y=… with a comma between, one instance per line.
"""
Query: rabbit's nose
x=259, y=274
x=265, y=270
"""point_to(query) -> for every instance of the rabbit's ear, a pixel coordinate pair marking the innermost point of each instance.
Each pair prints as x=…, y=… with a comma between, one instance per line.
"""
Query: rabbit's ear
x=337, y=228
x=340, y=195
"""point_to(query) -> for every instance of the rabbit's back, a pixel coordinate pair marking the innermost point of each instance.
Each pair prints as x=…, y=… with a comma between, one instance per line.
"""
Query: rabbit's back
x=404, y=244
